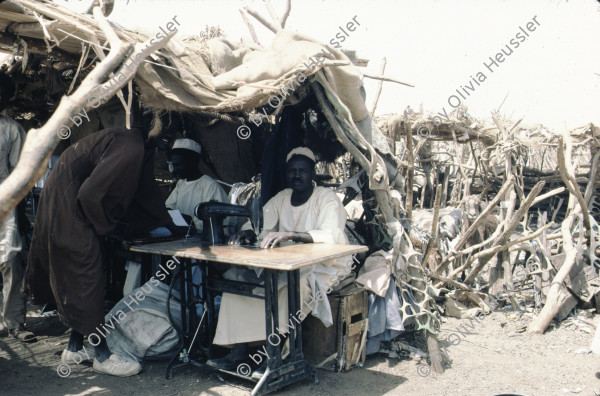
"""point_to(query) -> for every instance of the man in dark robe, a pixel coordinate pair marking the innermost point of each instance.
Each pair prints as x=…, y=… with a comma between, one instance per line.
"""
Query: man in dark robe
x=98, y=181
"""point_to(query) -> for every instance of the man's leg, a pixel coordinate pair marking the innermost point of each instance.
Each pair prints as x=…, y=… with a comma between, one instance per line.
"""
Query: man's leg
x=102, y=351
x=75, y=352
x=75, y=342
x=106, y=362
x=13, y=308
x=103, y=360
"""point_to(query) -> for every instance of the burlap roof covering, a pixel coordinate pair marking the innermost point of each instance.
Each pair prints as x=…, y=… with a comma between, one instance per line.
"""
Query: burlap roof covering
x=211, y=76
x=239, y=66
x=216, y=76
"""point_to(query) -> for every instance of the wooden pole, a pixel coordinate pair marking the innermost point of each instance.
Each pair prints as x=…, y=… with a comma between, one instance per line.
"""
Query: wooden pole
x=273, y=14
x=411, y=167
x=589, y=190
x=554, y=301
x=388, y=79
x=249, y=24
x=478, y=221
x=503, y=265
x=269, y=25
x=286, y=12
x=509, y=230
x=382, y=194
x=379, y=87
x=434, y=352
x=434, y=226
x=565, y=166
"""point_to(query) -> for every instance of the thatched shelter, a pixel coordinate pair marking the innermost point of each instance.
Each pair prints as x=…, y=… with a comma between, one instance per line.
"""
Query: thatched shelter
x=237, y=99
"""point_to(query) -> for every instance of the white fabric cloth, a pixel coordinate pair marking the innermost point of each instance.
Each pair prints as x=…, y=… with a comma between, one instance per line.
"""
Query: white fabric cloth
x=188, y=194
x=375, y=274
x=241, y=318
x=138, y=328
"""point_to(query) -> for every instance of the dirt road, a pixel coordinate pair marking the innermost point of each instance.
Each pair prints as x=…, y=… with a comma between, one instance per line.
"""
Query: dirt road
x=489, y=357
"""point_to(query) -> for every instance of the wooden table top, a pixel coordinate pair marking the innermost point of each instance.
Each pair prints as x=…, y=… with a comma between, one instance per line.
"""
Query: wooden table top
x=285, y=258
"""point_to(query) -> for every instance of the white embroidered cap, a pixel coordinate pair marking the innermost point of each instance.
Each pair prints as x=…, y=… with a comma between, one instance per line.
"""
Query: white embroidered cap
x=305, y=151
x=187, y=144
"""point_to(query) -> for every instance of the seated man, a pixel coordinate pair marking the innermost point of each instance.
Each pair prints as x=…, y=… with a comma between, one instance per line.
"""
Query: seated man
x=302, y=213
x=147, y=331
x=192, y=187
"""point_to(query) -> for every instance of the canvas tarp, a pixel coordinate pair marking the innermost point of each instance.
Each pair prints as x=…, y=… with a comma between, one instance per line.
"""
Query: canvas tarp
x=194, y=88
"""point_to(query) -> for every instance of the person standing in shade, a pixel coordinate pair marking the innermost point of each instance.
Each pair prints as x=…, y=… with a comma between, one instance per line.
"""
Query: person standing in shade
x=12, y=136
x=101, y=180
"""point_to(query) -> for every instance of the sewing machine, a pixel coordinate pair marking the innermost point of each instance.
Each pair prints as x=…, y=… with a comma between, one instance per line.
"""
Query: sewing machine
x=213, y=213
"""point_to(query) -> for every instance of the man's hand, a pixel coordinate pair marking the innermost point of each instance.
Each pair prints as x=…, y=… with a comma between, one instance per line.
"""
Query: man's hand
x=274, y=238
x=242, y=238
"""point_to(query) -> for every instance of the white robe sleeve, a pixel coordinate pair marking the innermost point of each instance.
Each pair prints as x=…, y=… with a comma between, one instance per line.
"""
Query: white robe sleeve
x=18, y=134
x=271, y=212
x=331, y=221
x=212, y=191
x=171, y=202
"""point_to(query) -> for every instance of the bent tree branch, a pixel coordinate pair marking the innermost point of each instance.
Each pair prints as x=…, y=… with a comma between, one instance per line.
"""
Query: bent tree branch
x=40, y=143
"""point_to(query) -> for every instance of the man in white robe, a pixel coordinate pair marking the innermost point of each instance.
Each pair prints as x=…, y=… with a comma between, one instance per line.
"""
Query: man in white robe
x=12, y=136
x=303, y=213
x=192, y=187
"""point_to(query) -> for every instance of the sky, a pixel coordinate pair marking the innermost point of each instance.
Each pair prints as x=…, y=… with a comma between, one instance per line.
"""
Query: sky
x=552, y=78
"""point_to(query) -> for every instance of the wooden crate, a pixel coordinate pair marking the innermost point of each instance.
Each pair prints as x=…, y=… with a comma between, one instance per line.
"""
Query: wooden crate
x=349, y=310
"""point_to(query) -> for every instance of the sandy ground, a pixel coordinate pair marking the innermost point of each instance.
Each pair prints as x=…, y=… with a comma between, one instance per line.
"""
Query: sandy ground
x=489, y=357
